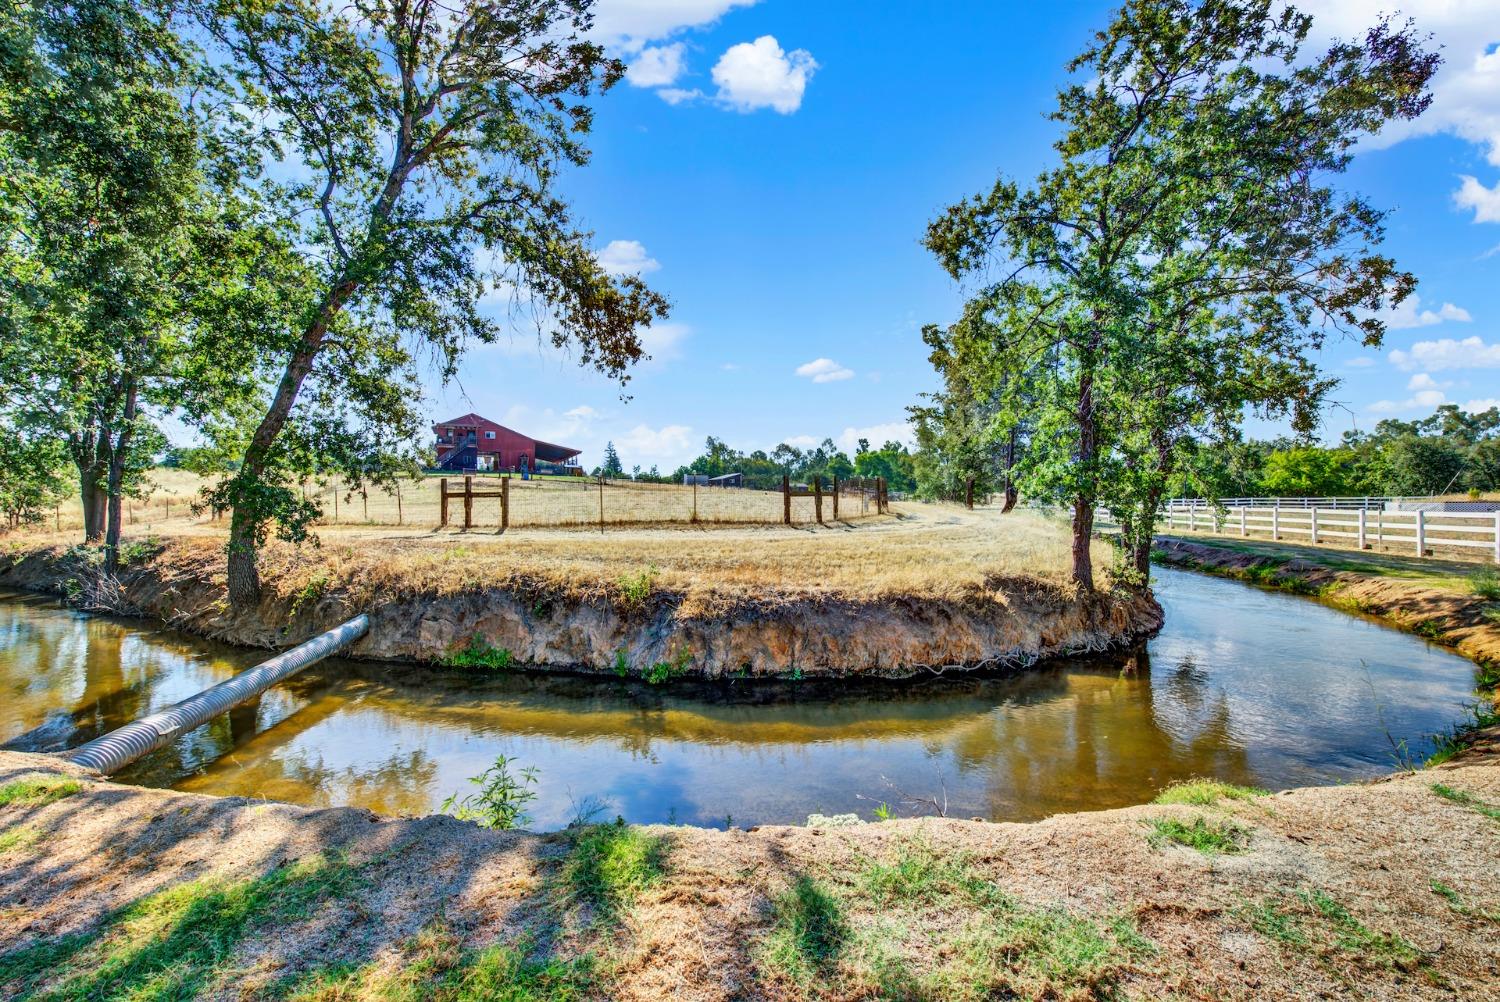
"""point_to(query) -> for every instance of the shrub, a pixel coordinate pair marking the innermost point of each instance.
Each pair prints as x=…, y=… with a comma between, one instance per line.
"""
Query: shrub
x=502, y=797
x=1206, y=792
x=479, y=654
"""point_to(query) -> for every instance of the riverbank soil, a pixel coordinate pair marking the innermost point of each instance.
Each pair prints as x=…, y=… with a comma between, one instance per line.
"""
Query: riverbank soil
x=1432, y=598
x=1383, y=890
x=932, y=588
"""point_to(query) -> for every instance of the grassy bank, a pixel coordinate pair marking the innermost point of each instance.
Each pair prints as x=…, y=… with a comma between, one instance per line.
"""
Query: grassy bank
x=1379, y=890
x=933, y=587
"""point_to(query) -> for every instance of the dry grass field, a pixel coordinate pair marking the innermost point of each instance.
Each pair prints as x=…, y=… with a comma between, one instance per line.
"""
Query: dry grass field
x=552, y=501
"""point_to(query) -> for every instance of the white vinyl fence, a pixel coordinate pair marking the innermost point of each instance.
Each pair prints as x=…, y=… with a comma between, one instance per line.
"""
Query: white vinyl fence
x=1418, y=532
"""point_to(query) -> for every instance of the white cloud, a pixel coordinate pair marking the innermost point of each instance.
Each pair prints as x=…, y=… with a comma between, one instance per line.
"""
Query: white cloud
x=729, y=367
x=1479, y=406
x=676, y=95
x=663, y=341
x=1423, y=381
x=802, y=442
x=629, y=24
x=1360, y=362
x=627, y=257
x=670, y=445
x=1448, y=353
x=1410, y=314
x=759, y=74
x=1419, y=401
x=656, y=65
x=1485, y=202
x=824, y=370
x=878, y=435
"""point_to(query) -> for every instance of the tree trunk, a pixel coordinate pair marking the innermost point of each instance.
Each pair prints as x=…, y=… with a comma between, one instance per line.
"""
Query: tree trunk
x=117, y=456
x=94, y=499
x=1011, y=494
x=1083, y=500
x=245, y=519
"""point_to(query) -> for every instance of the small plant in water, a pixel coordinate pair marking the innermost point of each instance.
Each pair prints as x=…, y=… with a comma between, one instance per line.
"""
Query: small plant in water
x=883, y=812
x=622, y=663
x=664, y=671
x=502, y=797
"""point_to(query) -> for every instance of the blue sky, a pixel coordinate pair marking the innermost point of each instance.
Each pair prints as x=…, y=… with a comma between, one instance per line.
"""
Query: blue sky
x=770, y=167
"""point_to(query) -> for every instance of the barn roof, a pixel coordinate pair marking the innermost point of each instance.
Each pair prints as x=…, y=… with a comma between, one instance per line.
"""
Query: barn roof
x=545, y=451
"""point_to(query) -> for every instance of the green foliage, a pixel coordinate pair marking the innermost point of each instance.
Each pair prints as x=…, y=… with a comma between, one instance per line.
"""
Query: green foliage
x=1210, y=836
x=502, y=797
x=1307, y=471
x=173, y=944
x=611, y=864
x=1485, y=583
x=18, y=837
x=37, y=790
x=635, y=589
x=622, y=663
x=1468, y=800
x=1206, y=792
x=479, y=654
x=611, y=466
x=31, y=473
x=665, y=671
x=432, y=967
x=309, y=594
x=883, y=812
x=1478, y=715
x=1273, y=920
x=1177, y=265
x=138, y=551
x=1355, y=937
x=808, y=931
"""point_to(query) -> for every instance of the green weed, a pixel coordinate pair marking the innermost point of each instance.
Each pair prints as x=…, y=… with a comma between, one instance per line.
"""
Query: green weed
x=1485, y=583
x=501, y=800
x=1446, y=744
x=611, y=864
x=308, y=595
x=622, y=663
x=139, y=551
x=1457, y=903
x=1206, y=792
x=635, y=589
x=1210, y=837
x=174, y=944
x=807, y=933
x=665, y=671
x=1353, y=936
x=432, y=966
x=479, y=654
x=37, y=790
x=19, y=837
x=1468, y=800
x=1273, y=921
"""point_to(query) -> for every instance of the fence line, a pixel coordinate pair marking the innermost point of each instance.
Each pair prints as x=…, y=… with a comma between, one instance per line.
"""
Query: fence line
x=1421, y=532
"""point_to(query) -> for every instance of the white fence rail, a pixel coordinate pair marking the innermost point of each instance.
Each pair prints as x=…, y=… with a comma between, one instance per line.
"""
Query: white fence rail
x=1418, y=532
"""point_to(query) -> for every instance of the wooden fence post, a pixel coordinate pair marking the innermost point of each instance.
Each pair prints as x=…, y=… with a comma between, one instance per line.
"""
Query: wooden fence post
x=335, y=503
x=1276, y=519
x=443, y=503
x=1362, y=545
x=400, y=517
x=601, y=503
x=504, y=503
x=1315, y=526
x=835, y=499
x=786, y=499
x=885, y=499
x=1497, y=537
x=468, y=502
x=1421, y=533
x=818, y=499
x=969, y=494
x=1244, y=529
x=695, y=500
x=1193, y=518
x=364, y=497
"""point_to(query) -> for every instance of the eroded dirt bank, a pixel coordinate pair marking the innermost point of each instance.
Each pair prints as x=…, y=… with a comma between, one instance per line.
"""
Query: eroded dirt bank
x=1382, y=890
x=1447, y=617
x=428, y=607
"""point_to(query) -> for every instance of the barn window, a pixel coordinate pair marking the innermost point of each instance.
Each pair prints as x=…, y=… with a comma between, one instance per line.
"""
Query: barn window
x=489, y=434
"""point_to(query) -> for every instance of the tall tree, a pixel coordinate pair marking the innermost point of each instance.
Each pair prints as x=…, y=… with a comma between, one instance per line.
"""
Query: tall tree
x=1189, y=237
x=128, y=261
x=611, y=467
x=431, y=135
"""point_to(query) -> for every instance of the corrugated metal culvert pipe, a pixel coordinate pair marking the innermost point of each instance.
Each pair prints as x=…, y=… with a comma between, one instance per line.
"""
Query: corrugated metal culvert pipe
x=122, y=746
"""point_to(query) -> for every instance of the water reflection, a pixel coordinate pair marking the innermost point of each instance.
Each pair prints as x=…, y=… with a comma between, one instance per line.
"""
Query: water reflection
x=1248, y=686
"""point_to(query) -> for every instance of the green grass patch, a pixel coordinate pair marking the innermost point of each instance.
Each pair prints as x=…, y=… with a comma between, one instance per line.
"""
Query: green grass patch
x=479, y=654
x=808, y=931
x=37, y=790
x=1210, y=836
x=1353, y=936
x=17, y=838
x=1206, y=792
x=635, y=589
x=1468, y=800
x=665, y=671
x=1273, y=920
x=432, y=966
x=1312, y=920
x=611, y=864
x=1485, y=583
x=1446, y=744
x=174, y=944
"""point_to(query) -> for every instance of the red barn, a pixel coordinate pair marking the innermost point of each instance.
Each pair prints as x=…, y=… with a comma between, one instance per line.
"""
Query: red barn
x=479, y=444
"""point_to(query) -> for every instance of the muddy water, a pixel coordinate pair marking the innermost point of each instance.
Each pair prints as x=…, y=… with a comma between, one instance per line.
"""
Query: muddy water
x=1245, y=685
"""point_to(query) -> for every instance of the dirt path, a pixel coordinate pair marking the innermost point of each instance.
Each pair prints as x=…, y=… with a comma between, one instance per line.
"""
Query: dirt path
x=1381, y=891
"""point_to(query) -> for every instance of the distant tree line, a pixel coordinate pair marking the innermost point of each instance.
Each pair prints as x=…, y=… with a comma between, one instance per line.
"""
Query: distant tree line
x=1449, y=452
x=763, y=470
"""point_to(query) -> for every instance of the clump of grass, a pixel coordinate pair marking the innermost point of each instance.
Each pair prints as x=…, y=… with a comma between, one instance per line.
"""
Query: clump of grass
x=1459, y=905
x=308, y=595
x=37, y=790
x=139, y=550
x=432, y=965
x=174, y=944
x=611, y=864
x=1206, y=792
x=479, y=654
x=1355, y=937
x=1468, y=800
x=808, y=932
x=19, y=837
x=622, y=663
x=1485, y=583
x=636, y=588
x=1273, y=920
x=502, y=797
x=1211, y=837
x=920, y=873
x=665, y=671
x=1446, y=744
